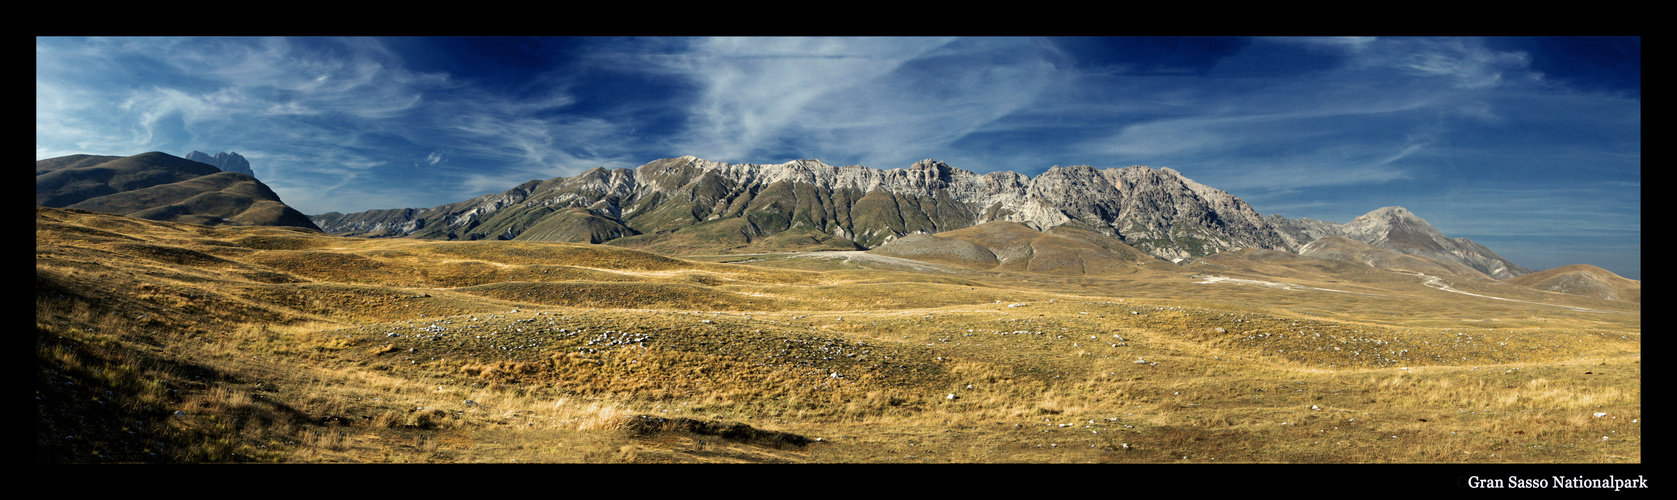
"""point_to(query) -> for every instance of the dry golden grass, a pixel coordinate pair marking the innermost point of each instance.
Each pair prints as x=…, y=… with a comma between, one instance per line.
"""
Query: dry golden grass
x=279, y=345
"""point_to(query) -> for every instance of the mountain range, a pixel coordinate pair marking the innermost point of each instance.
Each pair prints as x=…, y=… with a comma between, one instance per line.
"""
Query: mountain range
x=687, y=205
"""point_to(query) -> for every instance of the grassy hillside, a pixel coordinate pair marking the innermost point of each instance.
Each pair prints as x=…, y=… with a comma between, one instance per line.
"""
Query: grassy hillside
x=163, y=342
x=159, y=186
x=1060, y=251
x=1584, y=280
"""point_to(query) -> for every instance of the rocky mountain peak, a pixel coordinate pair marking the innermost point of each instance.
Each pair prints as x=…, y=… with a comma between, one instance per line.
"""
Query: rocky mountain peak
x=1396, y=226
x=1393, y=216
x=929, y=164
x=1388, y=212
x=227, y=162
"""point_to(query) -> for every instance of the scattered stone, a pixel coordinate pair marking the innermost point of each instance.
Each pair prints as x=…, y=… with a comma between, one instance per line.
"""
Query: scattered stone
x=647, y=425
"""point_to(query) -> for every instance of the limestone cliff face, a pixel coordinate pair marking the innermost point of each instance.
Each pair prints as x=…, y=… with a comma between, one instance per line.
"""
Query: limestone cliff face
x=1158, y=211
x=1300, y=232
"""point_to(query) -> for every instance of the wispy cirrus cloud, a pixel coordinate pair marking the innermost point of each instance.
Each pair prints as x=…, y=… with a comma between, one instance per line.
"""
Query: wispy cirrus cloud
x=1376, y=115
x=187, y=89
x=1465, y=62
x=877, y=101
x=753, y=92
x=435, y=158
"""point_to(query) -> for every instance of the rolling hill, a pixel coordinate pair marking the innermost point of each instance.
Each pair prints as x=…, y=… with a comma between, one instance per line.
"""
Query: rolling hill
x=163, y=187
x=1335, y=247
x=1010, y=246
x=1585, y=280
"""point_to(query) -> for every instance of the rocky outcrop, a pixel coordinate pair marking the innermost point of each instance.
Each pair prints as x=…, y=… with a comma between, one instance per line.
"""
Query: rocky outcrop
x=227, y=162
x=1300, y=232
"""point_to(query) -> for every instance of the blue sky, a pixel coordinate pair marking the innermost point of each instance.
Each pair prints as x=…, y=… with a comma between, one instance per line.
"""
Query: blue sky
x=1530, y=146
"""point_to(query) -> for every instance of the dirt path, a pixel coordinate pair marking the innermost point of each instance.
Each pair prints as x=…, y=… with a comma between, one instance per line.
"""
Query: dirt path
x=1275, y=284
x=856, y=257
x=1439, y=283
x=1434, y=282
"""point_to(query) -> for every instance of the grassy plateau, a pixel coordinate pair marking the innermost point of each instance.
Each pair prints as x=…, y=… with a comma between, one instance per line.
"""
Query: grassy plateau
x=164, y=342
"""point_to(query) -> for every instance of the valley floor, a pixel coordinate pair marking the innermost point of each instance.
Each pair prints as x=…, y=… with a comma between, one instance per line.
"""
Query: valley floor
x=168, y=343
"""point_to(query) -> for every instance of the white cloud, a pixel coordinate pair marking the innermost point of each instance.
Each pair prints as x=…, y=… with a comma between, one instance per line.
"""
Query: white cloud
x=353, y=76
x=1464, y=62
x=168, y=91
x=851, y=95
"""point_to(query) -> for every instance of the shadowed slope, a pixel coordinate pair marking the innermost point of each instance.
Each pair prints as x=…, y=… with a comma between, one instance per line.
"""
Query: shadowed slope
x=575, y=225
x=68, y=180
x=159, y=186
